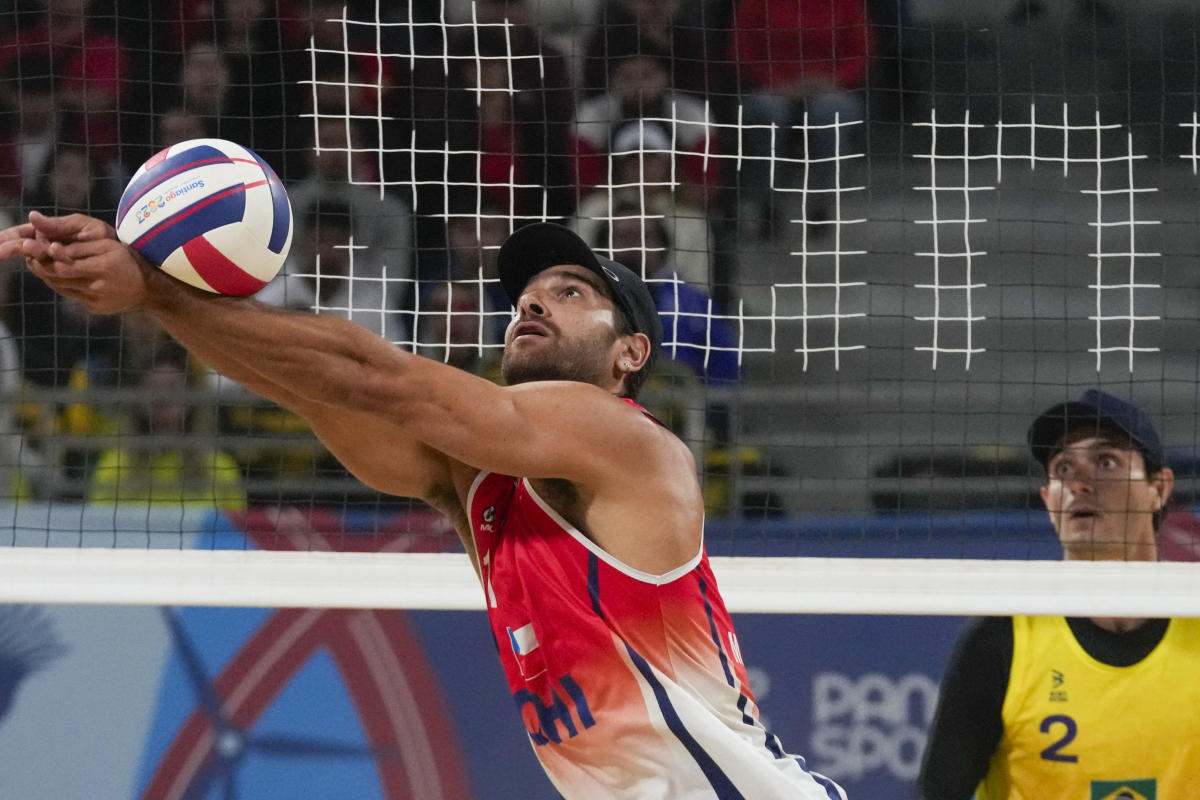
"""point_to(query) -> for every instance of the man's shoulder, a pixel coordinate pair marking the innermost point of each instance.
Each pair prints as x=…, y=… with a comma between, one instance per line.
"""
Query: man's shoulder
x=987, y=638
x=659, y=430
x=608, y=443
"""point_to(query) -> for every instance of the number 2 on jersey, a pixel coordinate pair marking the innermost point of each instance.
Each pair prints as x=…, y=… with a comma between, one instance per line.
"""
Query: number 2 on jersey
x=1054, y=751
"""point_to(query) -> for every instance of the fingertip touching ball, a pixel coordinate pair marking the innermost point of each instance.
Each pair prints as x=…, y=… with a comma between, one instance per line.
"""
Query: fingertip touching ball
x=210, y=213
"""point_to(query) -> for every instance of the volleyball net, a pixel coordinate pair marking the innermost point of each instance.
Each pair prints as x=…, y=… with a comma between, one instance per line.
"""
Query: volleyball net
x=869, y=287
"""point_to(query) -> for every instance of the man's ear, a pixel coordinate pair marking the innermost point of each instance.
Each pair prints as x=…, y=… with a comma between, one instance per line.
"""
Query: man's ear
x=635, y=352
x=1164, y=481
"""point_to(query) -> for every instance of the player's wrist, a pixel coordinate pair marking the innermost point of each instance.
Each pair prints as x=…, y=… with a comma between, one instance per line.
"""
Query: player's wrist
x=162, y=293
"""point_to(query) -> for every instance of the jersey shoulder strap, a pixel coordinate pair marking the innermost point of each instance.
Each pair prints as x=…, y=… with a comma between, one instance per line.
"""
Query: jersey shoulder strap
x=642, y=409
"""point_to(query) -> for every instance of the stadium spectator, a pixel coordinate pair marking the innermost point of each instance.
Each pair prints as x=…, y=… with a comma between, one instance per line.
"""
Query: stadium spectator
x=359, y=71
x=544, y=99
x=225, y=21
x=505, y=29
x=412, y=110
x=641, y=91
x=71, y=183
x=261, y=56
x=473, y=239
x=683, y=34
x=167, y=459
x=247, y=57
x=24, y=472
x=693, y=332
x=498, y=161
x=32, y=126
x=349, y=77
x=115, y=361
x=204, y=86
x=205, y=90
x=1075, y=706
x=449, y=328
x=474, y=236
x=510, y=124
x=176, y=125
x=92, y=69
x=797, y=58
x=54, y=334
x=329, y=272
x=643, y=175
x=342, y=171
x=264, y=58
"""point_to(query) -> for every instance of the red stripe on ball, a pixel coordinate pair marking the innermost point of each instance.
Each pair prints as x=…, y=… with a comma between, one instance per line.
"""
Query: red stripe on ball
x=224, y=276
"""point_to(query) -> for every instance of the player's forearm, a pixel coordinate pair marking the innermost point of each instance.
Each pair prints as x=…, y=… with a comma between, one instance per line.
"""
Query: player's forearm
x=291, y=358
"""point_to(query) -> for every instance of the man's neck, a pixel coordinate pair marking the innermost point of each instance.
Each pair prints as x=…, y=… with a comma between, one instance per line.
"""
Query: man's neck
x=1134, y=550
x=1119, y=624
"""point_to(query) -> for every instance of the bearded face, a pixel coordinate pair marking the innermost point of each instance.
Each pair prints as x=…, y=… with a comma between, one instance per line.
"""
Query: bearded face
x=559, y=358
x=564, y=330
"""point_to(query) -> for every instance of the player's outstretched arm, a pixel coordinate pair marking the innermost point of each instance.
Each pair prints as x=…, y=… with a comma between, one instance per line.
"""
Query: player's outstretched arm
x=108, y=277
x=323, y=361
x=80, y=257
x=304, y=359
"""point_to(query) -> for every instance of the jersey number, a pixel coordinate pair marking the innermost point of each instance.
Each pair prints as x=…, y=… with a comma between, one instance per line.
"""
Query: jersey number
x=1054, y=751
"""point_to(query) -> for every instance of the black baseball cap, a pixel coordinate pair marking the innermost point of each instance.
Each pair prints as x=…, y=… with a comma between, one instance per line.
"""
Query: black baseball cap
x=542, y=245
x=1095, y=409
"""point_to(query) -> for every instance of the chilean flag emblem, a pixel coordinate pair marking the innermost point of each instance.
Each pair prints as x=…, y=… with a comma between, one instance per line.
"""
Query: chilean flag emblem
x=523, y=640
x=524, y=643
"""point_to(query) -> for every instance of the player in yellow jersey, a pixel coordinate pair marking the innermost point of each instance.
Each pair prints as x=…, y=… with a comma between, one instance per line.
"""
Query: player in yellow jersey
x=1078, y=708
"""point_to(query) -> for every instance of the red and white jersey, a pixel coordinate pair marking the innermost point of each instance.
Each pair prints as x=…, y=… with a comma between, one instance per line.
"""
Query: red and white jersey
x=630, y=685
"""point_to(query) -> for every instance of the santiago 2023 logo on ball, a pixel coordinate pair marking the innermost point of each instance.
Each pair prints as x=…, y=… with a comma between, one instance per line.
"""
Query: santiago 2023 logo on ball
x=211, y=213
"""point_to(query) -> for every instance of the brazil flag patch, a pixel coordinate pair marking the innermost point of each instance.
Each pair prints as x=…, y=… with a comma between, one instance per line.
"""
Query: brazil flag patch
x=1142, y=789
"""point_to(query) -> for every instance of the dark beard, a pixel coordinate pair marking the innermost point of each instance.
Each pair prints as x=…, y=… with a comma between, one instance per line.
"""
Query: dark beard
x=582, y=362
x=547, y=369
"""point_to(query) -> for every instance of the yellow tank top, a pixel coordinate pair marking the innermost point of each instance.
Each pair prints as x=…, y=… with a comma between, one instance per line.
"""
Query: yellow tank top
x=1077, y=729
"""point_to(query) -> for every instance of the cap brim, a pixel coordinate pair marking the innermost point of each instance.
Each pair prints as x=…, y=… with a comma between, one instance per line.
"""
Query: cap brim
x=1049, y=429
x=537, y=247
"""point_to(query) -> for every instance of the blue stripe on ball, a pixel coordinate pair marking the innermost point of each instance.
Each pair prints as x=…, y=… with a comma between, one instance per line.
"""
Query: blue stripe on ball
x=280, y=216
x=175, y=164
x=207, y=215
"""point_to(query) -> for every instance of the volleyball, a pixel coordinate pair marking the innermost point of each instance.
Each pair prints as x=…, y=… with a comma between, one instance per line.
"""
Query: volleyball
x=209, y=212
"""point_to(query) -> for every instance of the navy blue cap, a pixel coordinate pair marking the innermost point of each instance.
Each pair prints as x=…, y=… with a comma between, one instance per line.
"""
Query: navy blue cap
x=1095, y=409
x=542, y=245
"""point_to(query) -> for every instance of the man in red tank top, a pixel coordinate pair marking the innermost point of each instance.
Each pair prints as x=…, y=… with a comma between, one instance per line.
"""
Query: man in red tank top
x=581, y=514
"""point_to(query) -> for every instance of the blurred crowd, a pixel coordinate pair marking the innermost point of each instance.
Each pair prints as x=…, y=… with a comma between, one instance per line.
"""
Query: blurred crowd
x=412, y=138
